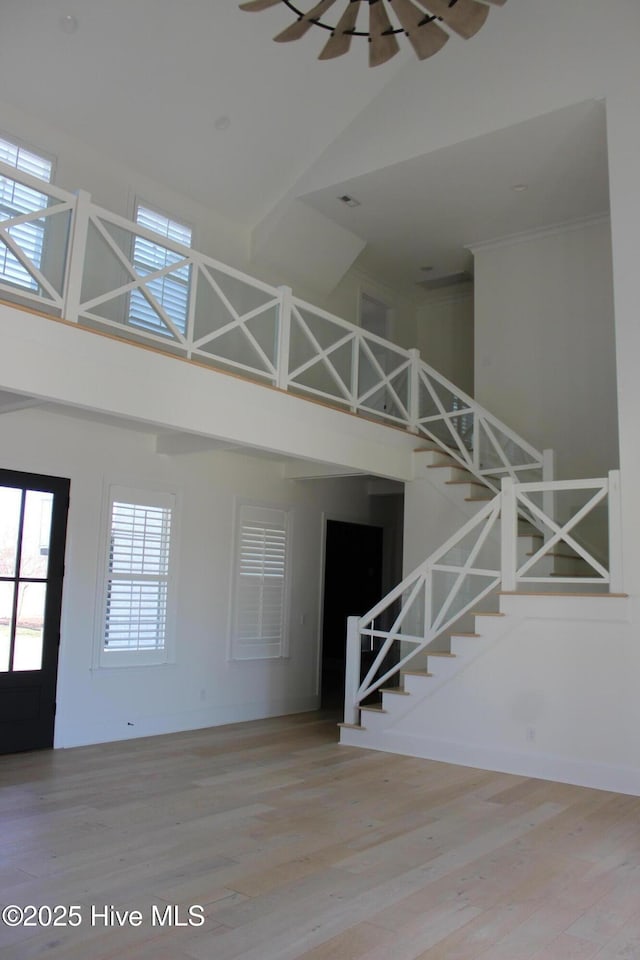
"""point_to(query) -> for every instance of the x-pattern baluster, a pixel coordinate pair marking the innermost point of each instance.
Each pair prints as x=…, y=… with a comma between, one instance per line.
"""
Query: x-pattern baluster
x=561, y=533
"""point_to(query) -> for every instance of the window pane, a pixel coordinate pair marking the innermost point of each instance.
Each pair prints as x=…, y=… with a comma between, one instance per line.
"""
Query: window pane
x=140, y=539
x=17, y=199
x=27, y=654
x=137, y=577
x=6, y=614
x=172, y=290
x=25, y=160
x=261, y=564
x=10, y=499
x=136, y=615
x=36, y=533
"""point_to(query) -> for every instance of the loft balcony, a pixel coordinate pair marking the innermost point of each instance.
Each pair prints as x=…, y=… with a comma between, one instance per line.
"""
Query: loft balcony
x=209, y=340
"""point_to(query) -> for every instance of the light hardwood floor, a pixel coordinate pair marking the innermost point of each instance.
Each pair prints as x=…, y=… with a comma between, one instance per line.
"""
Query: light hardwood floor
x=299, y=848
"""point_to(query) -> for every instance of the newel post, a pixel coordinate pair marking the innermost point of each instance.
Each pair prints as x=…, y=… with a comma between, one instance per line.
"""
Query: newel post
x=76, y=257
x=616, y=580
x=508, y=535
x=284, y=338
x=352, y=671
x=414, y=389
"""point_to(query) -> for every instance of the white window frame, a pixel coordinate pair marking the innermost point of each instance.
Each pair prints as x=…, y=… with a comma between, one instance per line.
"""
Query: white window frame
x=118, y=493
x=34, y=227
x=148, y=321
x=270, y=517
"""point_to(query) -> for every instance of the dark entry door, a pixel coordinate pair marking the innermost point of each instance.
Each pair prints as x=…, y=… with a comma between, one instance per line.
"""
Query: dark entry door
x=352, y=585
x=33, y=523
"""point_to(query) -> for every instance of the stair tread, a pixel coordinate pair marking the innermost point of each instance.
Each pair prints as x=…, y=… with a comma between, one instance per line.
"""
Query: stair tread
x=401, y=693
x=466, y=634
x=525, y=593
x=472, y=482
x=588, y=574
x=441, y=653
x=415, y=673
x=352, y=726
x=373, y=709
x=481, y=613
x=561, y=556
x=477, y=499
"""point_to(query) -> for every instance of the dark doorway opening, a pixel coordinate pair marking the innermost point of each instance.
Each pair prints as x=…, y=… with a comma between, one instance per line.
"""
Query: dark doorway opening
x=33, y=524
x=352, y=585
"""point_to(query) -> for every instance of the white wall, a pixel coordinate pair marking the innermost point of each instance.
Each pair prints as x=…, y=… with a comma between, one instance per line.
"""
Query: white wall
x=313, y=273
x=344, y=301
x=545, y=344
x=202, y=687
x=445, y=335
x=531, y=696
x=117, y=187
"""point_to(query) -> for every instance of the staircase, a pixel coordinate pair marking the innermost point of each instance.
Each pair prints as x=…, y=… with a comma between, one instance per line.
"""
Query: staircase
x=515, y=571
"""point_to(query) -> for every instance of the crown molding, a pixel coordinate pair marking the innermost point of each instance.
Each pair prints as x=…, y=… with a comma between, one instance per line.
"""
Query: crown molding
x=567, y=226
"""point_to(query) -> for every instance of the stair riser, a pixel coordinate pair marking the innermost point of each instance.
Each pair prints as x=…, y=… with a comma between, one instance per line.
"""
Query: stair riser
x=447, y=474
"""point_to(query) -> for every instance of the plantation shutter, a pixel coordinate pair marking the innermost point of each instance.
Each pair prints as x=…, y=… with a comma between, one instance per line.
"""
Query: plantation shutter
x=137, y=579
x=259, y=626
x=16, y=200
x=171, y=291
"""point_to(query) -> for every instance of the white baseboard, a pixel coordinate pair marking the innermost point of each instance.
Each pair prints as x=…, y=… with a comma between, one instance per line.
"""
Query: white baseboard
x=179, y=723
x=598, y=776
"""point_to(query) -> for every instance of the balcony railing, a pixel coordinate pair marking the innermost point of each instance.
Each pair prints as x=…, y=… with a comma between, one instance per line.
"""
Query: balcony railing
x=88, y=273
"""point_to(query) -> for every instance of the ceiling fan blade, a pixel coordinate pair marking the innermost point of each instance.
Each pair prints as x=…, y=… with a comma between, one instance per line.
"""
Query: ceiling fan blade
x=465, y=18
x=382, y=45
x=304, y=23
x=258, y=4
x=425, y=38
x=340, y=40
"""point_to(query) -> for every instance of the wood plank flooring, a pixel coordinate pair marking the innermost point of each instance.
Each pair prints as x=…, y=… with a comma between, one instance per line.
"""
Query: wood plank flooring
x=296, y=847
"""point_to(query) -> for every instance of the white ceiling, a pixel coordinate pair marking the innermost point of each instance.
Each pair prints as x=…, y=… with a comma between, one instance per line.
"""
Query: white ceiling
x=423, y=212
x=144, y=81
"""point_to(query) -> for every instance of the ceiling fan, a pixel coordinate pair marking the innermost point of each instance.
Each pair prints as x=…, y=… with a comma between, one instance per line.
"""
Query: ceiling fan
x=423, y=22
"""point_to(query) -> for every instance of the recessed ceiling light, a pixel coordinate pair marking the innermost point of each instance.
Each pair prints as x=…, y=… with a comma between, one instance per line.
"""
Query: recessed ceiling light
x=68, y=23
x=349, y=201
x=222, y=123
x=520, y=187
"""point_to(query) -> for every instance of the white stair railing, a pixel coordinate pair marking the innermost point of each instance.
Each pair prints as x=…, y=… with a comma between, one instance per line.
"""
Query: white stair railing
x=478, y=558
x=560, y=531
x=88, y=274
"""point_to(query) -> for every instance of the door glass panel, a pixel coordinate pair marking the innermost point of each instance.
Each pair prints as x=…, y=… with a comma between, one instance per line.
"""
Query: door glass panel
x=6, y=614
x=10, y=499
x=27, y=653
x=36, y=533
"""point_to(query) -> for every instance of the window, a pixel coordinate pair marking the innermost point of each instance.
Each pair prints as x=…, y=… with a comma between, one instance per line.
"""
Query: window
x=260, y=583
x=136, y=611
x=15, y=201
x=171, y=290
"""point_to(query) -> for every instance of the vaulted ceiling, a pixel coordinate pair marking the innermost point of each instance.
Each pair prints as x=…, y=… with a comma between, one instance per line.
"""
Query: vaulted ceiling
x=196, y=94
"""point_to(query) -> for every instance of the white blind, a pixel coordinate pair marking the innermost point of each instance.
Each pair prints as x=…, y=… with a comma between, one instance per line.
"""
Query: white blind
x=15, y=200
x=172, y=290
x=262, y=547
x=137, y=576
